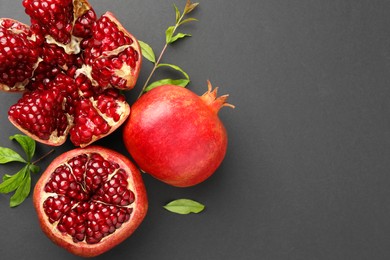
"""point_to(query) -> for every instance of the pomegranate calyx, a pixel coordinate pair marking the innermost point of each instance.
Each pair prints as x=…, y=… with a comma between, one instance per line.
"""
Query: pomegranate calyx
x=213, y=101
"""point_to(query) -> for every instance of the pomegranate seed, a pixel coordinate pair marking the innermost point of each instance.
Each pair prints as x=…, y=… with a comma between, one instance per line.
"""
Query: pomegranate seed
x=79, y=237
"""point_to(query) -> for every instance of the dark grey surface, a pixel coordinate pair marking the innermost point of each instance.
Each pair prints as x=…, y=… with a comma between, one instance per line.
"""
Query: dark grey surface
x=306, y=175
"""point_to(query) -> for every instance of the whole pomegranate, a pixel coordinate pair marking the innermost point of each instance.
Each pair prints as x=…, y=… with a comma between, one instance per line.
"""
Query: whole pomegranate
x=90, y=199
x=175, y=135
x=71, y=66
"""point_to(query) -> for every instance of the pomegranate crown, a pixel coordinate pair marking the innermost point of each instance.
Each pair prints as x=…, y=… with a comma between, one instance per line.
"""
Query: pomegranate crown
x=213, y=101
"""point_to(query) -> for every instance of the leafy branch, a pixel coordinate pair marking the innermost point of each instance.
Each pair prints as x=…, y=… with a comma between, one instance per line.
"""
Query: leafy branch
x=170, y=37
x=20, y=182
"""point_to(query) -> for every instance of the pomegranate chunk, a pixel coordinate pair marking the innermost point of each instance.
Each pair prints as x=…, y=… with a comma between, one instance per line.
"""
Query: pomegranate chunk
x=18, y=55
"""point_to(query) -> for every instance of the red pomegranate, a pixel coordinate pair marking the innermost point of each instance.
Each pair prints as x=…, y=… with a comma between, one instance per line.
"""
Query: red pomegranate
x=71, y=66
x=89, y=200
x=175, y=135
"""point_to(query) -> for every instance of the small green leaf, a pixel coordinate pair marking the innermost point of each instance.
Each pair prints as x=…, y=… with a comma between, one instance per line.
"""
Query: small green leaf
x=9, y=155
x=178, y=36
x=177, y=82
x=184, y=206
x=27, y=143
x=175, y=67
x=22, y=192
x=169, y=34
x=147, y=51
x=190, y=7
x=177, y=13
x=188, y=20
x=12, y=183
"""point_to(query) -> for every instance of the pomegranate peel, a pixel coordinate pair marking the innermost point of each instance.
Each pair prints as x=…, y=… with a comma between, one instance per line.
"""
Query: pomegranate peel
x=89, y=200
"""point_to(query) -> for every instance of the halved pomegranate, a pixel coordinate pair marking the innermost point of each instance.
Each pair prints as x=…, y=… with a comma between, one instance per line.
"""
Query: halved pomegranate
x=90, y=200
x=74, y=59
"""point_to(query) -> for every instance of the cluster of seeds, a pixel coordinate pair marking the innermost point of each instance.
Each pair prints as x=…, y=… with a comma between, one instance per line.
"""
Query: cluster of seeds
x=70, y=53
x=89, y=198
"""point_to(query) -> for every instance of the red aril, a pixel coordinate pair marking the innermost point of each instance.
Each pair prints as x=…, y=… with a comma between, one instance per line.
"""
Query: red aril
x=175, y=135
x=86, y=60
x=89, y=200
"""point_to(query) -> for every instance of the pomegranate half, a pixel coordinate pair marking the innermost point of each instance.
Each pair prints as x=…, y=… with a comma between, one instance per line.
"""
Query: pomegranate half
x=89, y=200
x=175, y=135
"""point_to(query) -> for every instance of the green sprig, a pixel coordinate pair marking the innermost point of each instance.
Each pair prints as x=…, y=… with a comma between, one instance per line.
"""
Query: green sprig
x=20, y=182
x=171, y=36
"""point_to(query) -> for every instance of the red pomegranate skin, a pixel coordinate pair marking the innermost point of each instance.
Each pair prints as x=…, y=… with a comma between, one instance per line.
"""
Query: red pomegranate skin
x=176, y=136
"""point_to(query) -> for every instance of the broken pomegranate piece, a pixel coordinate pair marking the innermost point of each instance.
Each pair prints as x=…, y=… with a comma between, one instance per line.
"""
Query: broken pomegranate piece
x=41, y=112
x=112, y=53
x=18, y=55
x=67, y=50
x=97, y=116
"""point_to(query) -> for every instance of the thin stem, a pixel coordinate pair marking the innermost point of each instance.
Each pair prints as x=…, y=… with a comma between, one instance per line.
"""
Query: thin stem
x=43, y=156
x=160, y=57
x=153, y=70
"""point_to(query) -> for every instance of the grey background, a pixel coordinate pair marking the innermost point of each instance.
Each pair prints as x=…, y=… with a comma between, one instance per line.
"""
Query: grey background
x=306, y=175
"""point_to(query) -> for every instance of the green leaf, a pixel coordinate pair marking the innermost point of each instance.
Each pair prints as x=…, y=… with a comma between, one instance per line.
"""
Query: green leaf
x=175, y=67
x=6, y=177
x=188, y=20
x=9, y=155
x=184, y=206
x=178, y=36
x=12, y=183
x=190, y=7
x=169, y=34
x=177, y=13
x=22, y=192
x=177, y=82
x=147, y=51
x=27, y=143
